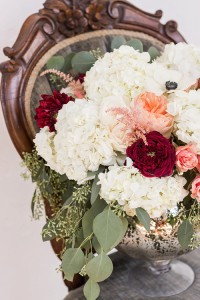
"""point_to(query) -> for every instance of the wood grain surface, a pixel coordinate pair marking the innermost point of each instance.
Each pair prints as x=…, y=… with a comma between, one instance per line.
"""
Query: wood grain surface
x=117, y=287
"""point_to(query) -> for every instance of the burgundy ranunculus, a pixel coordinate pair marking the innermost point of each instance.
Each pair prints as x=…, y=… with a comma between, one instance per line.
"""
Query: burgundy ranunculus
x=49, y=106
x=156, y=158
x=80, y=77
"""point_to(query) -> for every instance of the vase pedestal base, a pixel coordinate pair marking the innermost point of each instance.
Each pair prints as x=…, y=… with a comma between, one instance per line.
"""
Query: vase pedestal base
x=169, y=280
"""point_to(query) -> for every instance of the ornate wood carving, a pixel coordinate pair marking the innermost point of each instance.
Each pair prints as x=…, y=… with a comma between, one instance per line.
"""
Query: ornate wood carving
x=41, y=31
x=57, y=20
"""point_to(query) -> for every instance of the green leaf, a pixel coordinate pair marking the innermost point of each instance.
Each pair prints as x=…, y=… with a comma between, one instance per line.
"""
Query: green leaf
x=91, y=290
x=136, y=44
x=68, y=193
x=72, y=262
x=99, y=268
x=56, y=62
x=52, y=228
x=37, y=175
x=96, y=245
x=153, y=52
x=125, y=227
x=88, y=218
x=117, y=41
x=83, y=61
x=143, y=217
x=185, y=233
x=95, y=190
x=51, y=233
x=68, y=63
x=90, y=256
x=33, y=203
x=79, y=238
x=63, y=178
x=68, y=201
x=109, y=229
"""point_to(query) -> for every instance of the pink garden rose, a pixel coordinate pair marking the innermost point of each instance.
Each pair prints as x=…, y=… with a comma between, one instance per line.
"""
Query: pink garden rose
x=152, y=113
x=196, y=188
x=186, y=158
x=198, y=166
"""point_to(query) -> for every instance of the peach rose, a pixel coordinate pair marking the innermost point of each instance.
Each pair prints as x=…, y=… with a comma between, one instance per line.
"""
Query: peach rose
x=152, y=114
x=186, y=158
x=196, y=188
x=198, y=165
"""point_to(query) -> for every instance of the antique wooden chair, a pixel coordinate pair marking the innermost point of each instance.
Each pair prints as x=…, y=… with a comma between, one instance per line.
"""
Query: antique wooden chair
x=61, y=27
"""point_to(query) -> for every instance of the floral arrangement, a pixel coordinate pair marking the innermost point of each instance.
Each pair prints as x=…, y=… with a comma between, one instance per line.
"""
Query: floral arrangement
x=119, y=144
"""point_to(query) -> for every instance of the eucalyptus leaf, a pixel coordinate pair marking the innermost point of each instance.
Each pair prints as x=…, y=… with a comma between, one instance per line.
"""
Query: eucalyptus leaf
x=72, y=262
x=91, y=290
x=90, y=256
x=68, y=201
x=36, y=176
x=88, y=218
x=33, y=203
x=96, y=245
x=43, y=176
x=100, y=170
x=143, y=217
x=95, y=189
x=117, y=41
x=99, y=268
x=153, y=52
x=136, y=44
x=67, y=193
x=83, y=61
x=109, y=229
x=185, y=233
x=125, y=227
x=79, y=238
x=63, y=178
x=56, y=62
x=68, y=62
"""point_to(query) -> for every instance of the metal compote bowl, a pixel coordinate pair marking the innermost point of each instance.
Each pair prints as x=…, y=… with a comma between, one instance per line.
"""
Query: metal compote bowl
x=159, y=275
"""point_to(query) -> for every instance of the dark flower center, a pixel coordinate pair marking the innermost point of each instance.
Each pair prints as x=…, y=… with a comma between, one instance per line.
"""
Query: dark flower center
x=171, y=85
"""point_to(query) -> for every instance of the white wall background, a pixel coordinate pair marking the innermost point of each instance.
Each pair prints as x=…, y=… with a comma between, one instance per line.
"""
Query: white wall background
x=27, y=265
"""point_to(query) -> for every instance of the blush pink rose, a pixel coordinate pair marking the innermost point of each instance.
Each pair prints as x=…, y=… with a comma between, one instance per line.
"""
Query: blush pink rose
x=152, y=113
x=196, y=188
x=186, y=158
x=198, y=165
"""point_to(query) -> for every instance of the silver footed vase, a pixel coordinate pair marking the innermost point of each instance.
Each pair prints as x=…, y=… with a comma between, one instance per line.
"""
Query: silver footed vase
x=157, y=273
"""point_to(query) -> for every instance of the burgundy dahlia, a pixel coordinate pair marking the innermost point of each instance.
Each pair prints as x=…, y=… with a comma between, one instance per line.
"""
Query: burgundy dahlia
x=156, y=158
x=49, y=106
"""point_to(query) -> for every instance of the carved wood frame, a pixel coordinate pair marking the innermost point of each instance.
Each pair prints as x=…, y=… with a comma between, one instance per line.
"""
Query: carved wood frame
x=58, y=20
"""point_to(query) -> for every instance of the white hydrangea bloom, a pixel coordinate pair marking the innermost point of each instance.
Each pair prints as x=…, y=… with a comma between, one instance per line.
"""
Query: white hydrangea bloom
x=81, y=143
x=44, y=146
x=131, y=189
x=119, y=73
x=185, y=107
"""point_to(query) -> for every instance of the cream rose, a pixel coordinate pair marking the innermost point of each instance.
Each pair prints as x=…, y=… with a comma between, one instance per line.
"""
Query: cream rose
x=112, y=122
